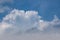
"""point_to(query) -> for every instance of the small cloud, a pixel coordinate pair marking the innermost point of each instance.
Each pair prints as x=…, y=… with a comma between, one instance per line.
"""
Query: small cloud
x=4, y=9
x=6, y=1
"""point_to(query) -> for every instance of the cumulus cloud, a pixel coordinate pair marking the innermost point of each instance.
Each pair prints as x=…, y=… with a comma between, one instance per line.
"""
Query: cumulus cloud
x=20, y=21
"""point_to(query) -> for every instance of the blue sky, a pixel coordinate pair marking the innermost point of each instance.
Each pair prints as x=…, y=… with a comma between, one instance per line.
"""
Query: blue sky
x=29, y=19
x=46, y=8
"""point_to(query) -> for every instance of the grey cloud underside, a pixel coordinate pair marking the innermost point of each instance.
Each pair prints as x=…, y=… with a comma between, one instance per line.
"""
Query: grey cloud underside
x=36, y=36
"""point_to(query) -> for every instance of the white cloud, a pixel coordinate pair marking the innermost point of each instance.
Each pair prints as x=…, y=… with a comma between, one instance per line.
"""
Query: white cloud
x=19, y=21
x=23, y=21
x=49, y=24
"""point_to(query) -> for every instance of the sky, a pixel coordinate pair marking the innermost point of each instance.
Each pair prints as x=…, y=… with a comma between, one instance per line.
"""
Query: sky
x=29, y=19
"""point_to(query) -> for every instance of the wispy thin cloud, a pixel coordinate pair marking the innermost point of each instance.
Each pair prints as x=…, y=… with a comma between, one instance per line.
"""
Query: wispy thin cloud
x=4, y=9
x=6, y=1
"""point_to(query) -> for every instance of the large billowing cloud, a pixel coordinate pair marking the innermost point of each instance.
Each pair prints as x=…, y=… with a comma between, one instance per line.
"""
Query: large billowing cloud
x=20, y=21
